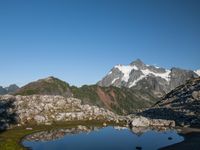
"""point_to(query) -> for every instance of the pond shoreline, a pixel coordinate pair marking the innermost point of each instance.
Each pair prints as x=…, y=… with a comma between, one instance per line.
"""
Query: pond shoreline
x=12, y=138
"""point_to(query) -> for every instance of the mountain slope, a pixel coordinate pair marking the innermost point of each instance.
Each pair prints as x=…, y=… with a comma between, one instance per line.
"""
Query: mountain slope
x=119, y=100
x=181, y=104
x=138, y=75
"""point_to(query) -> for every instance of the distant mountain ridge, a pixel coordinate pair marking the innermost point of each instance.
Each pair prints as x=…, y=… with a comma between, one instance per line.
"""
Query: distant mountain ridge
x=119, y=100
x=123, y=90
x=10, y=89
x=138, y=75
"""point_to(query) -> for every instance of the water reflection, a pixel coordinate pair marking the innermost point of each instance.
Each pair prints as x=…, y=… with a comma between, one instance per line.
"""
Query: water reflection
x=89, y=138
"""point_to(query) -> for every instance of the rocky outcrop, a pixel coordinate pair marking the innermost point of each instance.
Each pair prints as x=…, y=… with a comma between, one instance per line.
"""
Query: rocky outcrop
x=181, y=104
x=45, y=109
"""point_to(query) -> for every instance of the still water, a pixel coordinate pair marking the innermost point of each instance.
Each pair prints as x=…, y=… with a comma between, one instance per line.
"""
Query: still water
x=108, y=138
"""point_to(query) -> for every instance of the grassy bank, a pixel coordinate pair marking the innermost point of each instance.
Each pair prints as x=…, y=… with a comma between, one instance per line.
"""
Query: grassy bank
x=11, y=139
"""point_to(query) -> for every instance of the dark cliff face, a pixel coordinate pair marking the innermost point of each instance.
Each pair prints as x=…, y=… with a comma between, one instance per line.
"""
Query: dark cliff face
x=181, y=104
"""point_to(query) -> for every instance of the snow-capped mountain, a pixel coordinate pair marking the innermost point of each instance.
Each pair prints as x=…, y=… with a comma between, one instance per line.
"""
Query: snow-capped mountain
x=147, y=77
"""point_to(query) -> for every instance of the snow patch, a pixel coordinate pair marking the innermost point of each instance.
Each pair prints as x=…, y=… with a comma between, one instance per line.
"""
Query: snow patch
x=147, y=72
x=197, y=72
x=165, y=75
x=126, y=70
x=113, y=81
x=135, y=82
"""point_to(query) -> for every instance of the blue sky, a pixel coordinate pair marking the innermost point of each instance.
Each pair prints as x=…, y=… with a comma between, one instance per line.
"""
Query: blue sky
x=79, y=41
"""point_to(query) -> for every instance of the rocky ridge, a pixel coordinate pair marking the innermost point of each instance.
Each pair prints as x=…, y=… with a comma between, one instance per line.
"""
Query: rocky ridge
x=182, y=105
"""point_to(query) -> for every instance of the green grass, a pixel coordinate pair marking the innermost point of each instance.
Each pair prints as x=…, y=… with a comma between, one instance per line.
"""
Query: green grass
x=11, y=139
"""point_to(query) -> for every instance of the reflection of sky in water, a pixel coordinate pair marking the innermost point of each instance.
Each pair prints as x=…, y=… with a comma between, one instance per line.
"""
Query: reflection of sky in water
x=109, y=138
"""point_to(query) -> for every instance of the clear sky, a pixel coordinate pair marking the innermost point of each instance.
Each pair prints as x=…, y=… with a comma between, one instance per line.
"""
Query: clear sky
x=79, y=41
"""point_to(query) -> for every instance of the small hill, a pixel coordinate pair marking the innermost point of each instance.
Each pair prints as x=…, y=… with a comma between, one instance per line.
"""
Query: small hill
x=47, y=86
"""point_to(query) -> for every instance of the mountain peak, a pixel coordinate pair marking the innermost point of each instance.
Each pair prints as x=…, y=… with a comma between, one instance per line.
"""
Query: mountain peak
x=139, y=64
x=48, y=79
x=137, y=61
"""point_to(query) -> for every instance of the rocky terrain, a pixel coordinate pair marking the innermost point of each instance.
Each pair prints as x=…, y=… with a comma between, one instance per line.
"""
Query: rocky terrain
x=182, y=105
x=45, y=109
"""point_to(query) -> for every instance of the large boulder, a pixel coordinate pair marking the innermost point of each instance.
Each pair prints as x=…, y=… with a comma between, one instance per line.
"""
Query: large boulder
x=140, y=122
